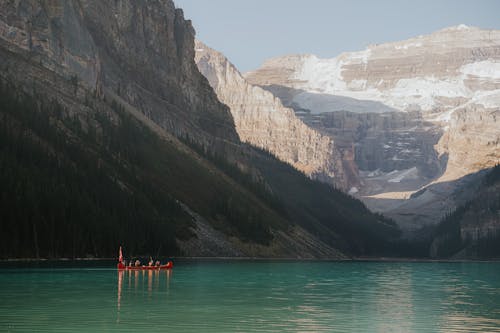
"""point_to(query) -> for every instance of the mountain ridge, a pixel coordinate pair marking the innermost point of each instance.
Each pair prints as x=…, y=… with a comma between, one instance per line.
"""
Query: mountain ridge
x=143, y=140
x=263, y=121
x=447, y=83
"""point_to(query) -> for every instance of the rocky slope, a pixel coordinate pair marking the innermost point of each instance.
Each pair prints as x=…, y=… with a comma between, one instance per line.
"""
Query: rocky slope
x=436, y=72
x=263, y=121
x=473, y=230
x=133, y=146
x=103, y=44
x=447, y=86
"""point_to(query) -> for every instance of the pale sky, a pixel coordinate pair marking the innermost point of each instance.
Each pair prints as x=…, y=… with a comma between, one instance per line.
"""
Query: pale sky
x=250, y=31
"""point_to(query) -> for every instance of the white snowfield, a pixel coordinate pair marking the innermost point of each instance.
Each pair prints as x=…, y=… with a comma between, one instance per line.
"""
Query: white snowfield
x=325, y=89
x=395, y=176
x=452, y=76
x=346, y=82
x=488, y=69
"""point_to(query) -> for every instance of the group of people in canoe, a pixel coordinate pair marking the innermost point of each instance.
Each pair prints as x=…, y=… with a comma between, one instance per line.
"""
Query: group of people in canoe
x=137, y=263
x=122, y=264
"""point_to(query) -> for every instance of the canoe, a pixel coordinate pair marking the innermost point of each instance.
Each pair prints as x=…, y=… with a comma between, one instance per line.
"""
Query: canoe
x=168, y=265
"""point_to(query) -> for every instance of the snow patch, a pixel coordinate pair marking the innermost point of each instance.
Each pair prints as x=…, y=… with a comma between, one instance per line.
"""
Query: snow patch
x=430, y=87
x=460, y=27
x=361, y=56
x=353, y=190
x=401, y=175
x=489, y=99
x=483, y=69
x=375, y=173
x=325, y=85
x=357, y=84
x=407, y=46
x=324, y=102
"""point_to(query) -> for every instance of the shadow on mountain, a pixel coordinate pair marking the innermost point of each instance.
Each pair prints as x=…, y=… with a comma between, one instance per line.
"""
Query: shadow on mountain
x=303, y=101
x=384, y=142
x=472, y=230
x=428, y=205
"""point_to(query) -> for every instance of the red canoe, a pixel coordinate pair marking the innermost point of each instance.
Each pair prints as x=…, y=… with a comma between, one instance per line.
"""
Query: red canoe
x=121, y=266
x=168, y=265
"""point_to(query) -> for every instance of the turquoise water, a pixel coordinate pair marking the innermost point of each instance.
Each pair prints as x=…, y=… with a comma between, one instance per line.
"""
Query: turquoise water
x=255, y=296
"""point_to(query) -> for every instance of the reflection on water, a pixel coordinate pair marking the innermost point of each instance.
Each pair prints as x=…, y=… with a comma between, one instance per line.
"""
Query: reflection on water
x=153, y=279
x=120, y=284
x=134, y=279
x=255, y=296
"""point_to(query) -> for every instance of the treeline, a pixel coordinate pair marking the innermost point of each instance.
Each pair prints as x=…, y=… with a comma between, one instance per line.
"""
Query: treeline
x=66, y=192
x=247, y=222
x=75, y=185
x=449, y=240
x=328, y=213
x=333, y=216
x=229, y=211
x=81, y=184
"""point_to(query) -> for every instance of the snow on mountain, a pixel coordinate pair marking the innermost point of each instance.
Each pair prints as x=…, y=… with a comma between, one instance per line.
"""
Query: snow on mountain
x=263, y=121
x=439, y=71
x=447, y=86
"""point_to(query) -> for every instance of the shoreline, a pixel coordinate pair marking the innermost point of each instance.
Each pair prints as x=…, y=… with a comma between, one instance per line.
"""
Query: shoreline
x=356, y=259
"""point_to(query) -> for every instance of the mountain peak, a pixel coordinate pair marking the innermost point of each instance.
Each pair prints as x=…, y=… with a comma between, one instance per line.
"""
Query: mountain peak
x=460, y=28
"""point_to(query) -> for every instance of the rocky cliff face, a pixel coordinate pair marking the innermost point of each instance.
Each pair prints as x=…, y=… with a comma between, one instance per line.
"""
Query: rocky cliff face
x=107, y=96
x=263, y=121
x=436, y=72
x=380, y=143
x=139, y=50
x=471, y=141
x=446, y=83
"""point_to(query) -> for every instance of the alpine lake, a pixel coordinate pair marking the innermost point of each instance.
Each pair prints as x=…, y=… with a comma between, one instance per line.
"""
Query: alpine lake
x=251, y=296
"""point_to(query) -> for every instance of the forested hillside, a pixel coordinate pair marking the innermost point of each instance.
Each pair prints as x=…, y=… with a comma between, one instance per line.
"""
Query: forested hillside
x=473, y=229
x=111, y=135
x=75, y=187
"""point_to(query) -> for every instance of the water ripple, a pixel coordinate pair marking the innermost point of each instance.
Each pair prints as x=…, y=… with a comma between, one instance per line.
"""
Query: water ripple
x=255, y=297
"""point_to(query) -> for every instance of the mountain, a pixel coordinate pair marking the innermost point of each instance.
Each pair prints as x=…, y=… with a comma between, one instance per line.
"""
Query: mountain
x=436, y=72
x=110, y=135
x=263, y=121
x=417, y=116
x=104, y=45
x=473, y=229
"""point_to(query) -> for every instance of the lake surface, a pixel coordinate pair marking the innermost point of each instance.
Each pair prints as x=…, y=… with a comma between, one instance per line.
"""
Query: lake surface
x=254, y=296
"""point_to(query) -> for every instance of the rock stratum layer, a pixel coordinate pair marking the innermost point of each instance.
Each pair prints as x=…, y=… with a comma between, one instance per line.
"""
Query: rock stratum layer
x=132, y=145
x=263, y=121
x=447, y=84
x=105, y=43
x=436, y=72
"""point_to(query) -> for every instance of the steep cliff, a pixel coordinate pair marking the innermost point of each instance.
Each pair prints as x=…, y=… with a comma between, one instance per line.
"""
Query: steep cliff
x=471, y=141
x=110, y=134
x=447, y=84
x=382, y=142
x=435, y=72
x=263, y=121
x=139, y=50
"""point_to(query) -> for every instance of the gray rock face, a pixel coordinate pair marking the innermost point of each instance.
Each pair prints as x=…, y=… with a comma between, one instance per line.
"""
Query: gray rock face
x=446, y=87
x=436, y=72
x=53, y=33
x=384, y=142
x=263, y=121
x=140, y=50
x=110, y=60
x=471, y=141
